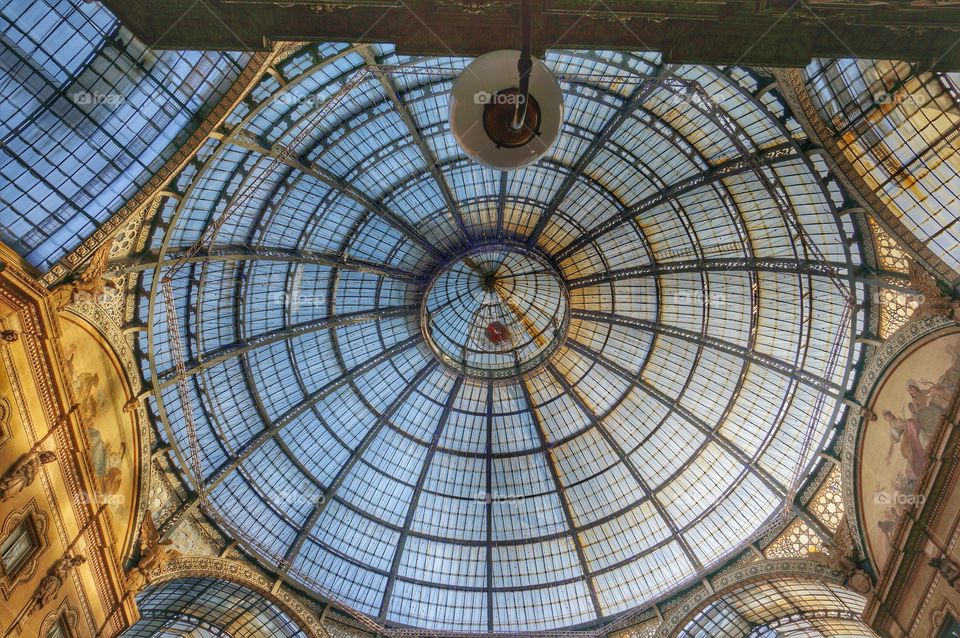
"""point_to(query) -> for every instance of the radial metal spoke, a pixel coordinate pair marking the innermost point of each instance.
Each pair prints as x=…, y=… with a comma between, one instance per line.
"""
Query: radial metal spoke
x=488, y=506
x=453, y=207
x=255, y=443
x=415, y=501
x=639, y=95
x=562, y=497
x=331, y=491
x=250, y=142
x=704, y=428
x=628, y=463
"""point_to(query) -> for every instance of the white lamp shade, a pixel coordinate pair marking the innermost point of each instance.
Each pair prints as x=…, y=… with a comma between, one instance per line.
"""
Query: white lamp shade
x=478, y=83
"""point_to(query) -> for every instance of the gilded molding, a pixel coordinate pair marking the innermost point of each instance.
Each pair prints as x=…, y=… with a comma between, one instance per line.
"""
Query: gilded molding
x=68, y=614
x=40, y=523
x=40, y=342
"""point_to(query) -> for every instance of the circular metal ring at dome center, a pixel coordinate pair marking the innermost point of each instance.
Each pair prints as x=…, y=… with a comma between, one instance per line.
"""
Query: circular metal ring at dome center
x=495, y=312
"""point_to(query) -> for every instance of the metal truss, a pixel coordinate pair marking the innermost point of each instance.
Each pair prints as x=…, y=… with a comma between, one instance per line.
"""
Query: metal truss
x=721, y=264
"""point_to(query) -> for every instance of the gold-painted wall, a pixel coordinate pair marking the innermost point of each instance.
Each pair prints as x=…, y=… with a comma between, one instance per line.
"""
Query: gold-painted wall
x=45, y=465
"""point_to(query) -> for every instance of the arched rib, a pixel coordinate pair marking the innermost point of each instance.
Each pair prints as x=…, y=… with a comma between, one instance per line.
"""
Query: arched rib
x=149, y=260
x=712, y=174
x=215, y=357
x=772, y=363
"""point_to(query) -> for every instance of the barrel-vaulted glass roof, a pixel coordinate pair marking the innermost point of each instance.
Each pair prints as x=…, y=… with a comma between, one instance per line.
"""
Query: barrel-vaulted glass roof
x=348, y=334
x=88, y=113
x=898, y=124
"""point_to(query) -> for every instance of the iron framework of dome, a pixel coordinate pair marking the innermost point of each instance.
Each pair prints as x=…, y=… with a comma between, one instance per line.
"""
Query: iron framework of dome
x=464, y=400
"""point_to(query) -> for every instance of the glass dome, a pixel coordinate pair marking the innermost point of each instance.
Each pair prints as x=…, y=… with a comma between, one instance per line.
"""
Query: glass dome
x=465, y=400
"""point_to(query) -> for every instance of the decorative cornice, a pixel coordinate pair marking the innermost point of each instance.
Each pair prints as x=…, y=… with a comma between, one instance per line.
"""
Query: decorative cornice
x=39, y=339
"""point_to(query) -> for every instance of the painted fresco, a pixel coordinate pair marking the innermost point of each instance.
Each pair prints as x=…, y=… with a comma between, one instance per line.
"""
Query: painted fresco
x=908, y=406
x=98, y=389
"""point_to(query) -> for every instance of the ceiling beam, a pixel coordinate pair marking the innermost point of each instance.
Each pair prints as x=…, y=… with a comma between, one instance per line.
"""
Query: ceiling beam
x=766, y=33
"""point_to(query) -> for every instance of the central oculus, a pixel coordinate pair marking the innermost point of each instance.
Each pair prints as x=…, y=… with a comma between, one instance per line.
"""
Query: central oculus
x=495, y=312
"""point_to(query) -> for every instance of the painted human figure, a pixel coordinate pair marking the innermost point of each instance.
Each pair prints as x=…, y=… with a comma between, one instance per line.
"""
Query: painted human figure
x=906, y=433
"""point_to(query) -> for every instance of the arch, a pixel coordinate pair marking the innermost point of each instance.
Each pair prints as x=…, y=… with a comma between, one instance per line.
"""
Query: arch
x=101, y=388
x=787, y=594
x=242, y=575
